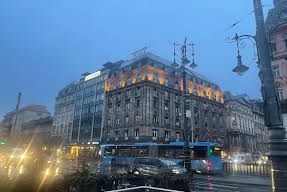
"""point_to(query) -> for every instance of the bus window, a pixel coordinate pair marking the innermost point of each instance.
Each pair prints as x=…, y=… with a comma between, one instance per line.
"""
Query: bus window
x=200, y=152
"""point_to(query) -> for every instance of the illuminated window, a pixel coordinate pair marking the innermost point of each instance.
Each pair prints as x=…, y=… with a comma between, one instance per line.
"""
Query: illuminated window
x=166, y=107
x=117, y=121
x=109, y=122
x=177, y=122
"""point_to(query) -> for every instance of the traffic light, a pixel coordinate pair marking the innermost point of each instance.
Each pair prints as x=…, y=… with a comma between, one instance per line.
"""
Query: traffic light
x=3, y=143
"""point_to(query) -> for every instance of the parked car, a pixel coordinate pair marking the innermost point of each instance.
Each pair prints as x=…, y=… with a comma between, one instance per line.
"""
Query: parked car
x=243, y=159
x=148, y=166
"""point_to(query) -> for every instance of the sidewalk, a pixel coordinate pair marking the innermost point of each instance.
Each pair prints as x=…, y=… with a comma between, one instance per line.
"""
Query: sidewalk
x=237, y=179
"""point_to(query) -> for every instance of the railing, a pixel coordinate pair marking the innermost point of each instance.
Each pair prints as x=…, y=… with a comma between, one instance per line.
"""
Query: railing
x=248, y=169
x=144, y=188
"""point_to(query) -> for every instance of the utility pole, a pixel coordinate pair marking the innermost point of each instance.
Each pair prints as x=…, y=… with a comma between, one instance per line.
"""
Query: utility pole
x=16, y=114
x=277, y=142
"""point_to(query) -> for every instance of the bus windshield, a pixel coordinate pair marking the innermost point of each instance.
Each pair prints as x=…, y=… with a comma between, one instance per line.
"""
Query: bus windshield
x=200, y=153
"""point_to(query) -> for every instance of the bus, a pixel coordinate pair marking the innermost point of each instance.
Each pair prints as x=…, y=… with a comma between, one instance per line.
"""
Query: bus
x=205, y=156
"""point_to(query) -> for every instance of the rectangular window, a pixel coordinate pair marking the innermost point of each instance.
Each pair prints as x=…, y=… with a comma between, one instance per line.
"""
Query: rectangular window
x=177, y=135
x=126, y=133
x=138, y=103
x=273, y=48
x=276, y=71
x=166, y=107
x=127, y=119
x=155, y=93
x=116, y=134
x=137, y=132
x=137, y=117
x=138, y=91
x=166, y=95
x=166, y=82
x=280, y=93
x=154, y=133
x=285, y=44
x=166, y=134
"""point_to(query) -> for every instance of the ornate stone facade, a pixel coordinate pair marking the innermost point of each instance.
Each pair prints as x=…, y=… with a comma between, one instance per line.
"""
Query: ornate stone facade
x=143, y=103
x=245, y=131
x=276, y=29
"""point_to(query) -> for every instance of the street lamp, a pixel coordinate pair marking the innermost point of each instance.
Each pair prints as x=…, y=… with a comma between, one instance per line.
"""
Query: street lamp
x=272, y=115
x=184, y=61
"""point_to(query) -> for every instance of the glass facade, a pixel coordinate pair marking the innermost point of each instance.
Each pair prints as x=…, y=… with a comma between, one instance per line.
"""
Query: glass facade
x=89, y=102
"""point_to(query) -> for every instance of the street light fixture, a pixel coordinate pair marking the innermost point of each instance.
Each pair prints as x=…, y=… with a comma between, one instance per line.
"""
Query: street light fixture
x=184, y=61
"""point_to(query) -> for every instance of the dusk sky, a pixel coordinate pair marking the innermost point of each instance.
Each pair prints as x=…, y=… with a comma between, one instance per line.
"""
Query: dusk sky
x=46, y=44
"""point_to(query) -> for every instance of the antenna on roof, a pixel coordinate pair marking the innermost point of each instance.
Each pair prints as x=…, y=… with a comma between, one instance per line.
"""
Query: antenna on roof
x=174, y=64
x=139, y=52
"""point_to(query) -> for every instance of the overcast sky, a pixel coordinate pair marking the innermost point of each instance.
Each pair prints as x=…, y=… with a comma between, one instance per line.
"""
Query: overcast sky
x=45, y=44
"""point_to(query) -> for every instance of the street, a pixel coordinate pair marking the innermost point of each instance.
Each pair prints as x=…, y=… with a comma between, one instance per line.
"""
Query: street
x=228, y=187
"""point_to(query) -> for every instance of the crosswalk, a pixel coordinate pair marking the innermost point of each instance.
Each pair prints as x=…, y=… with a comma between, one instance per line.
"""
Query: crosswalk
x=211, y=186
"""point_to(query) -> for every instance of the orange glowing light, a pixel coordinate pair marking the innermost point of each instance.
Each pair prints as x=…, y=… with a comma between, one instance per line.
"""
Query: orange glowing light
x=161, y=80
x=190, y=90
x=143, y=77
x=222, y=101
x=134, y=80
x=123, y=83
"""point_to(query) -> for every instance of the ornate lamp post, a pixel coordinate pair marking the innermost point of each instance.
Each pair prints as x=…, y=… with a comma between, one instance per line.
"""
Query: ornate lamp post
x=277, y=142
x=184, y=61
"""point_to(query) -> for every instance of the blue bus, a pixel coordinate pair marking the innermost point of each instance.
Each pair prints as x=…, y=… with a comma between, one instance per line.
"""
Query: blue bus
x=205, y=156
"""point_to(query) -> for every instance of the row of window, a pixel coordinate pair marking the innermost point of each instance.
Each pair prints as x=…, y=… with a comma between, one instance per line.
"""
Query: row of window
x=136, y=133
x=89, y=109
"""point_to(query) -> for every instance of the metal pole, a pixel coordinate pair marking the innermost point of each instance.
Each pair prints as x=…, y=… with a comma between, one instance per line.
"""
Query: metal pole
x=186, y=135
x=277, y=142
x=16, y=114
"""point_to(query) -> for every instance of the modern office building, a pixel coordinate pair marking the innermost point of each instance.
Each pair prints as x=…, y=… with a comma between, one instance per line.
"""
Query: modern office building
x=143, y=103
x=89, y=101
x=64, y=115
